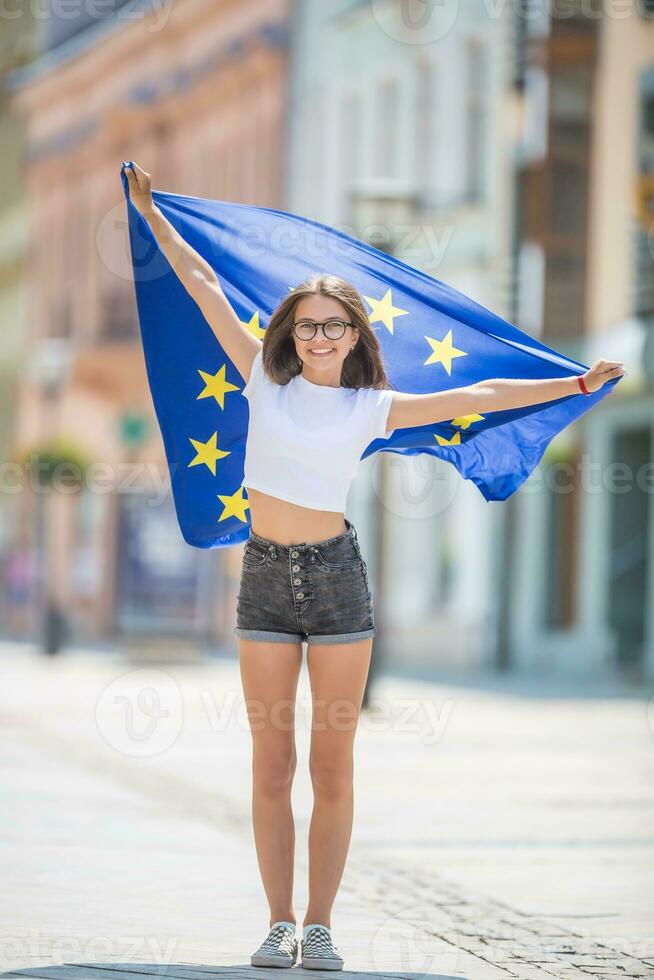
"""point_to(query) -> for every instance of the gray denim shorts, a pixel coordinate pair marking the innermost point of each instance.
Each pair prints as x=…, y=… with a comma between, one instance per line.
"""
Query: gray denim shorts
x=316, y=593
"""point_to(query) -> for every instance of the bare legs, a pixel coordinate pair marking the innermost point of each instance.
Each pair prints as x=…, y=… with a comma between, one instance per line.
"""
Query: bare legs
x=337, y=674
x=269, y=673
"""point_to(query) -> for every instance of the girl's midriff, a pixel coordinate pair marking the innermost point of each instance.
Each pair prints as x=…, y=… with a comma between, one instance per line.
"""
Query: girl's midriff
x=288, y=523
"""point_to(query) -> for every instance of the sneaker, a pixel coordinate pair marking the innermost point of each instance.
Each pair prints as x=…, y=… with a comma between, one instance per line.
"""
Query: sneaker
x=279, y=948
x=318, y=950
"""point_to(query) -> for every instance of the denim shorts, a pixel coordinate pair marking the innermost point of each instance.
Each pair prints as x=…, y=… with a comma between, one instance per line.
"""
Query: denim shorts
x=313, y=593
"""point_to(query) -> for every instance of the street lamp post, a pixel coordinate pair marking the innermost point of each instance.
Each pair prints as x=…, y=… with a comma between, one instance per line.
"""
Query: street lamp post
x=49, y=367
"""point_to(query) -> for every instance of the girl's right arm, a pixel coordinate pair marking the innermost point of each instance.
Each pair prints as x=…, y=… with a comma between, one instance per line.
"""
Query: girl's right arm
x=196, y=275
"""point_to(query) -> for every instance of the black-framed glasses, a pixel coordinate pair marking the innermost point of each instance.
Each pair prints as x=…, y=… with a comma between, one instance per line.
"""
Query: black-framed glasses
x=333, y=329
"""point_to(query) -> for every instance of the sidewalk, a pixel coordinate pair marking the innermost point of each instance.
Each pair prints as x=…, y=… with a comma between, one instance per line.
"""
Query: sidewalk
x=496, y=834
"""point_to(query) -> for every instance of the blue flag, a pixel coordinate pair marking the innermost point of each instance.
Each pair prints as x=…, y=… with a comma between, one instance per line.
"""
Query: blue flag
x=432, y=338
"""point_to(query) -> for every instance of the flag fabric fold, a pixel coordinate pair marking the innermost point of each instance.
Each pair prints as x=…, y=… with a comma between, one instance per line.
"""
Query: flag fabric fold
x=432, y=338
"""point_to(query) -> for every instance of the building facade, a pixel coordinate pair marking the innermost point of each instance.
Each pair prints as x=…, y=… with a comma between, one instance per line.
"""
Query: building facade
x=20, y=42
x=195, y=92
x=584, y=245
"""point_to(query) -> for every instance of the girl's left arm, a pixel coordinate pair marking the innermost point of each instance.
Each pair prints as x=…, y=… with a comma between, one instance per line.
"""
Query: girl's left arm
x=494, y=395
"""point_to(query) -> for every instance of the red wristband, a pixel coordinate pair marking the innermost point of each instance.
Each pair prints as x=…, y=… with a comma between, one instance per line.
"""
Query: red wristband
x=582, y=384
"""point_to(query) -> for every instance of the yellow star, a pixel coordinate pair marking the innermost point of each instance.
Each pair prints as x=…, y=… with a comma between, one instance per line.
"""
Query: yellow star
x=235, y=505
x=443, y=352
x=215, y=385
x=383, y=310
x=207, y=452
x=454, y=441
x=465, y=421
x=253, y=325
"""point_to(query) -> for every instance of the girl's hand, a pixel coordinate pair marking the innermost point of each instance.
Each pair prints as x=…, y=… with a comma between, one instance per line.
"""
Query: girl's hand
x=140, y=190
x=601, y=372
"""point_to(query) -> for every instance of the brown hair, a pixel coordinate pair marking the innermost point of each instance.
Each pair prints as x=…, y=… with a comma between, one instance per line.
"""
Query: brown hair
x=363, y=367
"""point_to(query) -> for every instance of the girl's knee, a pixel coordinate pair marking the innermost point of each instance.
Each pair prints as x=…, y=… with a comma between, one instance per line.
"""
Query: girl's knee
x=274, y=775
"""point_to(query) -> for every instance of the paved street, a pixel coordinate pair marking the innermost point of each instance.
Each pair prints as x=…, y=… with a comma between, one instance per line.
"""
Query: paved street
x=503, y=828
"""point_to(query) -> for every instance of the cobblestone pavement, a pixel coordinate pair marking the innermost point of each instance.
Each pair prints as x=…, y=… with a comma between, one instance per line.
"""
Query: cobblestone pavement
x=497, y=834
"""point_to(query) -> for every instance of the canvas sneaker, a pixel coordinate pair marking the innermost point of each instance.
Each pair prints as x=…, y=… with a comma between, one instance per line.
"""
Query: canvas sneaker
x=318, y=950
x=279, y=948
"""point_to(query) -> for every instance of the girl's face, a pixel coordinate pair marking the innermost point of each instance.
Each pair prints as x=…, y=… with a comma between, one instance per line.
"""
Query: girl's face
x=319, y=308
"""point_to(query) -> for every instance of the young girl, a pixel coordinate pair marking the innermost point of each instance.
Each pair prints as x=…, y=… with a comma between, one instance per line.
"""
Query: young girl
x=318, y=395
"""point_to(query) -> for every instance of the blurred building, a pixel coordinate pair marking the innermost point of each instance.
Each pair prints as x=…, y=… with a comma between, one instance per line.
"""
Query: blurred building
x=579, y=565
x=20, y=41
x=194, y=92
x=401, y=132
x=506, y=149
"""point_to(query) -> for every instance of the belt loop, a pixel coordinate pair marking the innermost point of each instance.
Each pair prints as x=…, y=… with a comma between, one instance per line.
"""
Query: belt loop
x=312, y=553
x=273, y=551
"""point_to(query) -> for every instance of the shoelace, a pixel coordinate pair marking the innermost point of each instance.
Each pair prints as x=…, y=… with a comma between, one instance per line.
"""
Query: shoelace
x=279, y=939
x=319, y=942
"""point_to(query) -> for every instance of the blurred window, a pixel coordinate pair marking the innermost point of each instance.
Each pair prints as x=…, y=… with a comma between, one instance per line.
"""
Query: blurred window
x=387, y=130
x=350, y=148
x=476, y=86
x=424, y=129
x=644, y=226
x=65, y=21
x=118, y=318
x=561, y=579
x=572, y=59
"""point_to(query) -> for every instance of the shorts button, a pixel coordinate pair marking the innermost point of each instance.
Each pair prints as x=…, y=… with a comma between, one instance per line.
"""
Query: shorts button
x=297, y=581
x=296, y=568
x=294, y=554
x=300, y=595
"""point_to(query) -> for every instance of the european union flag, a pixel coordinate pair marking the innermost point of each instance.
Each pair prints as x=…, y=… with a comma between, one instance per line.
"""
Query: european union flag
x=432, y=337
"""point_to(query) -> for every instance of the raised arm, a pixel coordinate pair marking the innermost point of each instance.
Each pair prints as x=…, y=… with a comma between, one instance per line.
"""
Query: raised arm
x=196, y=275
x=494, y=395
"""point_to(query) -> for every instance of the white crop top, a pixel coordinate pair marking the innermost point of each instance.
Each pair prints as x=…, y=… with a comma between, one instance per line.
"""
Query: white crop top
x=305, y=440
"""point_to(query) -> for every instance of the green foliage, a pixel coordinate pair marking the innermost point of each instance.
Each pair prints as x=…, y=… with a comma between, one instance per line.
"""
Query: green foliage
x=59, y=459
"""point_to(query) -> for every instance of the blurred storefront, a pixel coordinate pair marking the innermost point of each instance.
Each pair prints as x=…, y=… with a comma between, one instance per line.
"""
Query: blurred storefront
x=195, y=92
x=585, y=247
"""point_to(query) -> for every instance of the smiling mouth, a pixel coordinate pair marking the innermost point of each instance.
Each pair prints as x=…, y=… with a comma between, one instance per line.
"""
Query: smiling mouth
x=321, y=352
